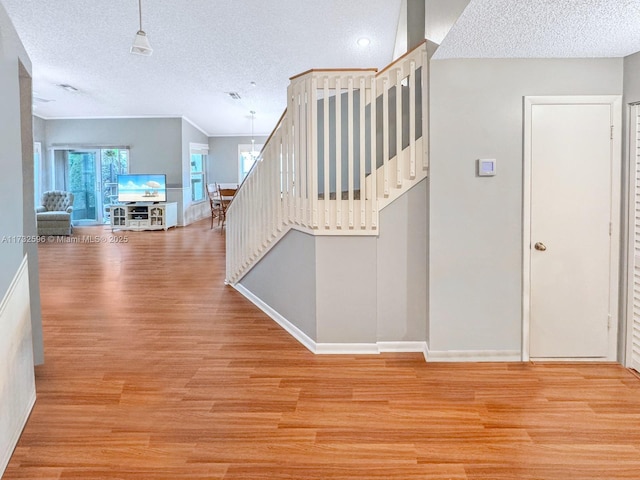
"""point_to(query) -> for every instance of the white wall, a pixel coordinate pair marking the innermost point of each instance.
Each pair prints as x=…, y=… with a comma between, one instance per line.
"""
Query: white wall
x=476, y=223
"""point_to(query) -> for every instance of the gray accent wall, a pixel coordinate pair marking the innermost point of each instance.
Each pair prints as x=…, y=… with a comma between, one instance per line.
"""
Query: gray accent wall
x=17, y=354
x=285, y=279
x=475, y=239
x=17, y=216
x=11, y=185
x=156, y=146
x=402, y=268
x=156, y=143
x=353, y=289
x=223, y=157
x=346, y=289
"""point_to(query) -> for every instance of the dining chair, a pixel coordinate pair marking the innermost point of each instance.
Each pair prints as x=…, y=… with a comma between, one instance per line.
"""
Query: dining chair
x=225, y=195
x=214, y=202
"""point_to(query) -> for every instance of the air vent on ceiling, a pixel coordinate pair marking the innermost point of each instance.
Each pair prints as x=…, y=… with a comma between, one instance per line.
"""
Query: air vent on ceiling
x=234, y=95
x=67, y=87
x=42, y=100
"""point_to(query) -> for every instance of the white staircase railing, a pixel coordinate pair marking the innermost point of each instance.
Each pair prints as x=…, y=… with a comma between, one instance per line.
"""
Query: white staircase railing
x=349, y=142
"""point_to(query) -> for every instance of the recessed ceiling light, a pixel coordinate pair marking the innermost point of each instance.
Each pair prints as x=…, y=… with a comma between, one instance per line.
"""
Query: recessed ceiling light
x=253, y=84
x=364, y=42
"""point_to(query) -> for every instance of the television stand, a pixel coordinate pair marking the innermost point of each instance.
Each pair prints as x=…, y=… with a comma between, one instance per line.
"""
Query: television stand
x=144, y=216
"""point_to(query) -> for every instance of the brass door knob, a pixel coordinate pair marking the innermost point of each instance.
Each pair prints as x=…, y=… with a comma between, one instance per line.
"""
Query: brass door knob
x=540, y=246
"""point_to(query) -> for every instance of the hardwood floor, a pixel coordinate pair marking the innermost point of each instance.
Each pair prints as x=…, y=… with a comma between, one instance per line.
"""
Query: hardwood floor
x=157, y=370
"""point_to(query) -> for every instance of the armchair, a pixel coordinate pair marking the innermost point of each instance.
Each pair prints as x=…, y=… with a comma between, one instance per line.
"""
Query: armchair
x=53, y=217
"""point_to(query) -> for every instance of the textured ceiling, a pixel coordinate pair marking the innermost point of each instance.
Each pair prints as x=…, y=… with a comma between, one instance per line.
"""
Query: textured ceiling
x=544, y=29
x=202, y=49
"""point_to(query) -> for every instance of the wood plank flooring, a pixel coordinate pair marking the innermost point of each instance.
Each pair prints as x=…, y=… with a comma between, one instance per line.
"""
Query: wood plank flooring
x=157, y=370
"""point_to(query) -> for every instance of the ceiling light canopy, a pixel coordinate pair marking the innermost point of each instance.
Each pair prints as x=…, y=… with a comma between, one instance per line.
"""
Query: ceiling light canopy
x=141, y=44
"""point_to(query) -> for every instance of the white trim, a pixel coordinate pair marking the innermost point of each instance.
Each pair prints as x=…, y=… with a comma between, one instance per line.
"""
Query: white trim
x=37, y=173
x=347, y=349
x=370, y=348
x=615, y=103
x=15, y=307
x=402, y=346
x=192, y=123
x=294, y=331
x=22, y=269
x=571, y=359
x=4, y=462
x=473, y=356
x=633, y=138
x=228, y=135
x=202, y=148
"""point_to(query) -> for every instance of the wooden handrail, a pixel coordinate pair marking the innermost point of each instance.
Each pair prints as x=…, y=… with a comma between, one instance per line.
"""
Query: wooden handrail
x=401, y=57
x=332, y=70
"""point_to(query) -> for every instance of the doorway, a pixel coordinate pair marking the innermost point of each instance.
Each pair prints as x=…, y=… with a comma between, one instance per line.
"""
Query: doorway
x=91, y=174
x=571, y=227
x=84, y=184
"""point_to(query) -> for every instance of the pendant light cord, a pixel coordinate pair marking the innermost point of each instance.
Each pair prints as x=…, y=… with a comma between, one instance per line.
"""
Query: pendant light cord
x=140, y=13
x=253, y=141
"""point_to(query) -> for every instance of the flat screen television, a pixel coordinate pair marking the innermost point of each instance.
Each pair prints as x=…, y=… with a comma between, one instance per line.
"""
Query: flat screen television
x=137, y=187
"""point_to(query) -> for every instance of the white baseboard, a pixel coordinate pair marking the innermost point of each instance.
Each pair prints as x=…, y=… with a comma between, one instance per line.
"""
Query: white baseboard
x=402, y=346
x=294, y=331
x=374, y=348
x=347, y=349
x=473, y=356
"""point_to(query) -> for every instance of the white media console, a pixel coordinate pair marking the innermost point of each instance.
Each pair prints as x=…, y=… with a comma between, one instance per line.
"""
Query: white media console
x=143, y=216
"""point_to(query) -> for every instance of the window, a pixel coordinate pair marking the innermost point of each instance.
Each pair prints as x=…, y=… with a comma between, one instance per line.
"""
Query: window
x=199, y=153
x=247, y=155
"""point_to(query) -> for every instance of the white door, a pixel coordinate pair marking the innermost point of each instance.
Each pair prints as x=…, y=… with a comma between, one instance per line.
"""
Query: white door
x=633, y=344
x=569, y=249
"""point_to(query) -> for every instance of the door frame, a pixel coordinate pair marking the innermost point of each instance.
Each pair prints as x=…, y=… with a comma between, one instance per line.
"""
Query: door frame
x=97, y=186
x=615, y=103
x=632, y=138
